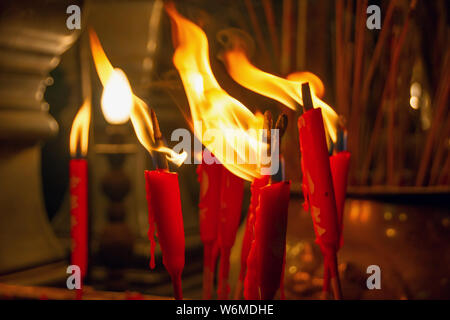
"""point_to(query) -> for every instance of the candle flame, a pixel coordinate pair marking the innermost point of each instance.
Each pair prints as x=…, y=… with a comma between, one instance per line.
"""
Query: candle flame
x=285, y=91
x=79, y=134
x=118, y=94
x=234, y=127
x=117, y=98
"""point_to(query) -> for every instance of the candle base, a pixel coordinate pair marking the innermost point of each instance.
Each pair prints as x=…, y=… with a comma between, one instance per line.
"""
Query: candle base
x=177, y=290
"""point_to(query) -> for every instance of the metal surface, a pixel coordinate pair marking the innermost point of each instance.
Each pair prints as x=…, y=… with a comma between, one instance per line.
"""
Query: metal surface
x=408, y=241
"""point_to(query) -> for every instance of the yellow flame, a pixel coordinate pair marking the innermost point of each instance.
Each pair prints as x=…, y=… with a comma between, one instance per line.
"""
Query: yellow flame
x=117, y=98
x=143, y=127
x=285, y=91
x=218, y=112
x=117, y=88
x=79, y=134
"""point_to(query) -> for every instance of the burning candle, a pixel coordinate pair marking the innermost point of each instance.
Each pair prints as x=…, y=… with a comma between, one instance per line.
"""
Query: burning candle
x=164, y=208
x=225, y=121
x=318, y=184
x=163, y=194
x=269, y=205
x=286, y=91
x=223, y=115
x=79, y=138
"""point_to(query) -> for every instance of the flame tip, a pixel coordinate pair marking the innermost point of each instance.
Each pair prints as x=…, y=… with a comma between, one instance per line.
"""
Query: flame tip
x=79, y=133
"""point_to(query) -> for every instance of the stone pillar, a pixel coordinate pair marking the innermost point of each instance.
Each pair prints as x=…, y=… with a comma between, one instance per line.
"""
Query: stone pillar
x=33, y=35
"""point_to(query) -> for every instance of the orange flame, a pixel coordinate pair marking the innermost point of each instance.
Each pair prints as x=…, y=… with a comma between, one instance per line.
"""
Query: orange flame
x=115, y=81
x=79, y=134
x=285, y=91
x=230, y=128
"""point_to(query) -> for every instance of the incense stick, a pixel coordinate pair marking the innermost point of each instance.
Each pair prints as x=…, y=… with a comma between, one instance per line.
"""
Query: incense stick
x=257, y=29
x=347, y=55
x=377, y=52
x=339, y=57
x=268, y=124
x=442, y=147
x=306, y=97
x=268, y=11
x=441, y=101
x=286, y=37
x=281, y=126
x=302, y=26
x=392, y=73
x=354, y=122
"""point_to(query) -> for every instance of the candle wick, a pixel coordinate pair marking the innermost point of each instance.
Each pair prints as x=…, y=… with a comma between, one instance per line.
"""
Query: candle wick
x=306, y=97
x=161, y=161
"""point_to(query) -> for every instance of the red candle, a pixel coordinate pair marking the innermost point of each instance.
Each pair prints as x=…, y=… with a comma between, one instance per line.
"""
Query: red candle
x=246, y=244
x=270, y=236
x=339, y=165
x=78, y=214
x=255, y=187
x=251, y=290
x=164, y=210
x=318, y=185
x=209, y=177
x=232, y=192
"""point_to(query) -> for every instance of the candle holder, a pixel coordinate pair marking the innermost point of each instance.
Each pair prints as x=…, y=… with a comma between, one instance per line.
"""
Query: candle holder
x=117, y=239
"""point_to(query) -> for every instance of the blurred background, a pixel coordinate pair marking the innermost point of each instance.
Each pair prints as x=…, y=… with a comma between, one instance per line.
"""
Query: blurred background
x=390, y=85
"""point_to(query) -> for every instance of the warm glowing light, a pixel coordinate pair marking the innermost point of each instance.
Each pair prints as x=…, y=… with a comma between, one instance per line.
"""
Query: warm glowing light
x=210, y=105
x=387, y=215
x=366, y=210
x=117, y=98
x=285, y=91
x=79, y=134
x=414, y=102
x=391, y=232
x=416, y=90
x=354, y=210
x=119, y=95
